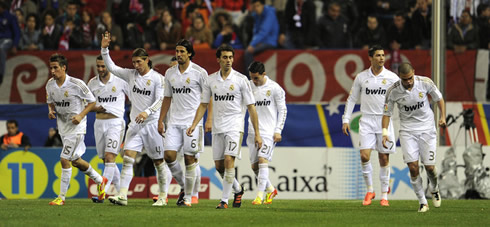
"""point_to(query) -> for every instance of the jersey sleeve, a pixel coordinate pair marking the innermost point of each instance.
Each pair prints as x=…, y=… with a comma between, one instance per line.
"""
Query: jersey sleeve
x=246, y=90
x=85, y=92
x=280, y=100
x=354, y=94
x=159, y=88
x=113, y=68
x=168, y=88
x=388, y=107
x=432, y=90
x=49, y=99
x=206, y=90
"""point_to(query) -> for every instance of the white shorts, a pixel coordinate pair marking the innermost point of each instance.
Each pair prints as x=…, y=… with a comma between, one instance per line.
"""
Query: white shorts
x=108, y=135
x=147, y=136
x=228, y=143
x=265, y=151
x=177, y=140
x=371, y=137
x=73, y=147
x=415, y=144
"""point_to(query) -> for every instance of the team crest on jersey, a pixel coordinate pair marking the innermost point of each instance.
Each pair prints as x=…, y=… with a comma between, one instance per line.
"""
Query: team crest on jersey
x=188, y=81
x=268, y=93
x=113, y=88
x=232, y=87
x=421, y=95
x=384, y=81
x=66, y=93
x=148, y=82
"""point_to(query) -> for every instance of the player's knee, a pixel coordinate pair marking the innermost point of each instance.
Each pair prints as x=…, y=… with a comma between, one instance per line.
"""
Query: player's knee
x=365, y=157
x=430, y=169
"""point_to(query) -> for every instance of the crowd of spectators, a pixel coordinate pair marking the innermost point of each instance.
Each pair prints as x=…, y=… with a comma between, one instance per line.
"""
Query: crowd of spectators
x=252, y=25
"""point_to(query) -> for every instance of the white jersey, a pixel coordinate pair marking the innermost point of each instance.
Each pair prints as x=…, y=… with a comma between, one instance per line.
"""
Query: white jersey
x=229, y=96
x=69, y=100
x=185, y=90
x=110, y=95
x=270, y=103
x=371, y=90
x=145, y=91
x=414, y=107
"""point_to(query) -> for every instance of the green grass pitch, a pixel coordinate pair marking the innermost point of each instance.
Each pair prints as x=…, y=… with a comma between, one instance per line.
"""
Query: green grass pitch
x=139, y=212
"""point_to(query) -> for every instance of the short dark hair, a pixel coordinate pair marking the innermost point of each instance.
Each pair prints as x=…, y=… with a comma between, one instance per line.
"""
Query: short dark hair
x=12, y=121
x=57, y=57
x=188, y=46
x=140, y=52
x=257, y=67
x=99, y=57
x=405, y=68
x=373, y=49
x=261, y=1
x=224, y=47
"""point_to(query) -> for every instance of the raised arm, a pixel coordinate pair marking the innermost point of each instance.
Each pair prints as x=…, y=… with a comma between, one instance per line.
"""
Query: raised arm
x=111, y=66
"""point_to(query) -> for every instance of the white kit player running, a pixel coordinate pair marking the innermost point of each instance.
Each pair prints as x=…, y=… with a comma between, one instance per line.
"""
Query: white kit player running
x=418, y=136
x=230, y=91
x=66, y=98
x=146, y=95
x=109, y=92
x=370, y=87
x=183, y=87
x=271, y=109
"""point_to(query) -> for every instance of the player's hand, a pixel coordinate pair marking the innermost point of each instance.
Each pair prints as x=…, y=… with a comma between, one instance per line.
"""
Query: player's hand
x=277, y=137
x=258, y=141
x=76, y=119
x=141, y=117
x=161, y=128
x=99, y=109
x=442, y=122
x=106, y=40
x=386, y=140
x=208, y=126
x=52, y=115
x=346, y=128
x=190, y=130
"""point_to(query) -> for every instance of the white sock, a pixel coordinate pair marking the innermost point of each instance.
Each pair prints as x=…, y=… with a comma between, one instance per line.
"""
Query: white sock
x=90, y=172
x=162, y=180
x=263, y=176
x=109, y=174
x=190, y=180
x=384, y=178
x=65, y=182
x=418, y=189
x=197, y=184
x=126, y=175
x=117, y=178
x=236, y=186
x=367, y=170
x=169, y=177
x=268, y=186
x=433, y=180
x=177, y=172
x=228, y=179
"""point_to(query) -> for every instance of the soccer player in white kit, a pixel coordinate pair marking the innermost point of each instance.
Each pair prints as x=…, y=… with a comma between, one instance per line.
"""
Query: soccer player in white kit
x=370, y=87
x=230, y=91
x=270, y=103
x=109, y=92
x=183, y=87
x=418, y=136
x=146, y=95
x=66, y=98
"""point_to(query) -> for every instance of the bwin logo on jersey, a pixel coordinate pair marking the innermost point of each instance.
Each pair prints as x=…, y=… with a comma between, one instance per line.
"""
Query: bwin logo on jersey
x=414, y=107
x=139, y=91
x=378, y=91
x=107, y=99
x=265, y=102
x=181, y=90
x=226, y=97
x=63, y=103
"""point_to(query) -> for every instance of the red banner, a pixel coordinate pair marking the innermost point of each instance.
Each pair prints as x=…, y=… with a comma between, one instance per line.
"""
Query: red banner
x=306, y=76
